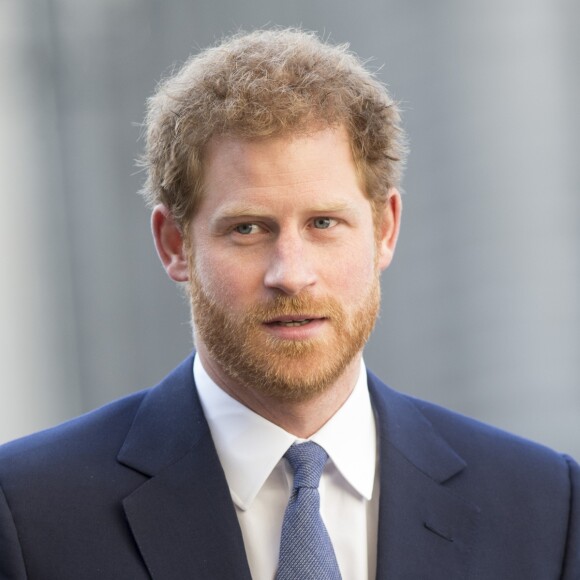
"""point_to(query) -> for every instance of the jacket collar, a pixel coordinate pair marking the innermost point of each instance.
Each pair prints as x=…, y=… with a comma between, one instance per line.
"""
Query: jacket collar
x=425, y=529
x=182, y=518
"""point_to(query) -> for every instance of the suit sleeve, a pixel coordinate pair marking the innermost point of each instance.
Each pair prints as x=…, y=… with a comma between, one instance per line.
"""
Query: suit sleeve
x=11, y=560
x=571, y=567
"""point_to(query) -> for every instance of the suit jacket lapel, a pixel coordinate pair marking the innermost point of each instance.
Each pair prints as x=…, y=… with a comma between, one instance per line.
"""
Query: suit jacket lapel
x=182, y=518
x=425, y=529
x=184, y=522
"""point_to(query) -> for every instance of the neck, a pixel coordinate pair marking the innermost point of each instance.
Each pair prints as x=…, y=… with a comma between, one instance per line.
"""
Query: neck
x=302, y=418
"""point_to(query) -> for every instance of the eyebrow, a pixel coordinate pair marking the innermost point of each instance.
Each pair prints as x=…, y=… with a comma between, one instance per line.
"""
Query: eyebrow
x=254, y=211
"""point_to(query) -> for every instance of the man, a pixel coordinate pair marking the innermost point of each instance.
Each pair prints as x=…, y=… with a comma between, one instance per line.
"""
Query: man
x=273, y=164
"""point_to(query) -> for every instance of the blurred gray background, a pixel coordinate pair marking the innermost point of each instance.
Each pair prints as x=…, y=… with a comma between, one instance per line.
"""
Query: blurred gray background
x=481, y=306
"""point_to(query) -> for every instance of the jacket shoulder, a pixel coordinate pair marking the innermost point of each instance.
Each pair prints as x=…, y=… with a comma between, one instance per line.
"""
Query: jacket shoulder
x=474, y=438
x=469, y=437
x=96, y=433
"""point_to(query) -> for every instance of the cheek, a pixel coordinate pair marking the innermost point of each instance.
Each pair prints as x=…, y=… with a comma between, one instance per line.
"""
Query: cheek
x=353, y=272
x=229, y=281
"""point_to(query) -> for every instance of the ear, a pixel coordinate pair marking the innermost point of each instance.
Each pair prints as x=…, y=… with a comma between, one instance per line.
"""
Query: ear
x=389, y=228
x=169, y=243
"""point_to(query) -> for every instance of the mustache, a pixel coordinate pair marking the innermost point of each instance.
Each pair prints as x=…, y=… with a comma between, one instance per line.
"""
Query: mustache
x=296, y=306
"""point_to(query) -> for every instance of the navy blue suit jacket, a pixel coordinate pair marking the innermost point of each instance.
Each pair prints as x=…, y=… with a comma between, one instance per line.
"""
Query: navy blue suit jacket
x=135, y=490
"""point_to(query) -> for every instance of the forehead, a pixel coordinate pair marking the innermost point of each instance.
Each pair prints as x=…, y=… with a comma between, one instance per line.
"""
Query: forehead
x=323, y=157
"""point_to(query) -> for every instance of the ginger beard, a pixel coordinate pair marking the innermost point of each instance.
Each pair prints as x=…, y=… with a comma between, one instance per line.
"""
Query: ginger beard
x=286, y=370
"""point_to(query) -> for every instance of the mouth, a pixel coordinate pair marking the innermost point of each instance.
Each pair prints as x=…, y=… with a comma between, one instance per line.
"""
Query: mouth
x=290, y=321
x=296, y=327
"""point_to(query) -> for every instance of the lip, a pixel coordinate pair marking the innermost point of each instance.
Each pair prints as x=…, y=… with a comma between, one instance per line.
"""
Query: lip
x=294, y=318
x=310, y=330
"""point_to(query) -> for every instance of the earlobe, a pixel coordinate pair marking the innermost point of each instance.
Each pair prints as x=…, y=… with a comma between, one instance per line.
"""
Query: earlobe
x=390, y=223
x=169, y=244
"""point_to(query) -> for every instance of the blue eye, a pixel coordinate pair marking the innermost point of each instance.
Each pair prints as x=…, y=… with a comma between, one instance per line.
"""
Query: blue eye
x=322, y=223
x=246, y=229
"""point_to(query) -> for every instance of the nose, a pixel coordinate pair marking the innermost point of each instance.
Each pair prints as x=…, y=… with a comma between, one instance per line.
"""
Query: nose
x=290, y=267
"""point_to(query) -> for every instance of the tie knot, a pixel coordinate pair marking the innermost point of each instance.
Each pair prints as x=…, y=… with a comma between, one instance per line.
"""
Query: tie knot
x=307, y=461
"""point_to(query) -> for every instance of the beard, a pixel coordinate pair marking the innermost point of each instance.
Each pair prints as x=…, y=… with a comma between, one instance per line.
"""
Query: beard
x=286, y=370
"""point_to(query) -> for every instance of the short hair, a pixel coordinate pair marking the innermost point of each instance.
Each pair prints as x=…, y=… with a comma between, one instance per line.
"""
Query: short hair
x=261, y=84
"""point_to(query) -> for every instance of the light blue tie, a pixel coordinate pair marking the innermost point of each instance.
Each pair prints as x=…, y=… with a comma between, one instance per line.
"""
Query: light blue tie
x=306, y=551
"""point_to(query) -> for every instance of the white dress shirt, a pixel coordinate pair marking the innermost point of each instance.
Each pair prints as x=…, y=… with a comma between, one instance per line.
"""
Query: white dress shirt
x=251, y=449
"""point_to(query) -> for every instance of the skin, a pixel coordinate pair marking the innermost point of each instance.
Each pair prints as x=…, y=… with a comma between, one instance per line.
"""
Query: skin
x=283, y=217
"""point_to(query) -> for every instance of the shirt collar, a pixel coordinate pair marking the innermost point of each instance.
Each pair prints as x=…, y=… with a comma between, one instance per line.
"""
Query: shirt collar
x=249, y=446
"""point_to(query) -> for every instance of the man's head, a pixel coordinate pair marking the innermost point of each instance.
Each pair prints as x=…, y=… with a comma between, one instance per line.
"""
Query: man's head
x=273, y=164
x=264, y=84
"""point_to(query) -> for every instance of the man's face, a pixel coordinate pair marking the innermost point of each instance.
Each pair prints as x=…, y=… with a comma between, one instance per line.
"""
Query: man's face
x=285, y=264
